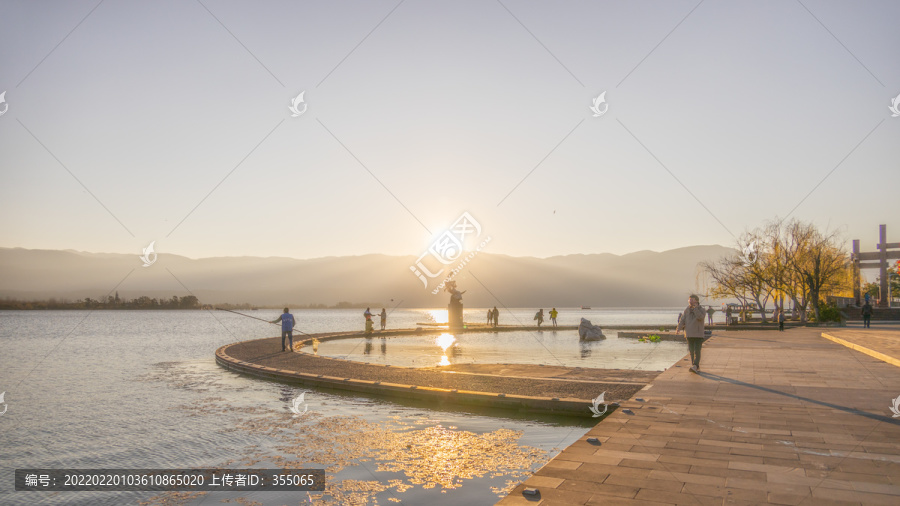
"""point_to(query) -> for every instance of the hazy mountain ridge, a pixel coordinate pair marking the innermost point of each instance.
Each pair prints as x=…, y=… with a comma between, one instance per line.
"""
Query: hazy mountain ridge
x=640, y=279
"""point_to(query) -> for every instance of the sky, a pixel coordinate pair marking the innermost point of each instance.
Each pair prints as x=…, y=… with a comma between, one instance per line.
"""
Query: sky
x=129, y=122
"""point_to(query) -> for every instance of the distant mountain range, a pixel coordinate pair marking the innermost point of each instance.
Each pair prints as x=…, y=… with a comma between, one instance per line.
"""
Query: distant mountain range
x=640, y=279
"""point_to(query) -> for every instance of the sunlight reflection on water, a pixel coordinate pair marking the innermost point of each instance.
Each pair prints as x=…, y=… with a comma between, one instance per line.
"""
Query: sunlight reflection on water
x=140, y=389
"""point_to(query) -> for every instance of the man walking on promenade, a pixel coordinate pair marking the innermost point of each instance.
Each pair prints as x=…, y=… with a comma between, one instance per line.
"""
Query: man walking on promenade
x=692, y=322
x=781, y=319
x=710, y=312
x=867, y=314
x=287, y=328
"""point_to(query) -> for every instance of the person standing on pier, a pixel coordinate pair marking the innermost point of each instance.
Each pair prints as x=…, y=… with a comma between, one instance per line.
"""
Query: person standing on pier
x=370, y=325
x=496, y=314
x=383, y=318
x=287, y=328
x=553, y=314
x=692, y=322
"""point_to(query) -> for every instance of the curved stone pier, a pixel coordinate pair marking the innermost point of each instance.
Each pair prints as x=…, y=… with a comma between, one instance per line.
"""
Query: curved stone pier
x=543, y=389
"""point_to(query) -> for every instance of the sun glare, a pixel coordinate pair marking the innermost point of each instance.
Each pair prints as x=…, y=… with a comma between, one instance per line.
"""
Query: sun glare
x=444, y=341
x=439, y=315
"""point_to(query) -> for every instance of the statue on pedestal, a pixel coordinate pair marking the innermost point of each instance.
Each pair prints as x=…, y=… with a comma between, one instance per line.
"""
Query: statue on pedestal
x=455, y=308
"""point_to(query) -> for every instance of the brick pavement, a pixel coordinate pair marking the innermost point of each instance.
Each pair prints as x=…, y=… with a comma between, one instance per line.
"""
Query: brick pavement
x=773, y=417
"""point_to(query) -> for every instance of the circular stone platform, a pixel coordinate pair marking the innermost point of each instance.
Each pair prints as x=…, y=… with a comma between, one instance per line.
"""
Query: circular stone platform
x=546, y=389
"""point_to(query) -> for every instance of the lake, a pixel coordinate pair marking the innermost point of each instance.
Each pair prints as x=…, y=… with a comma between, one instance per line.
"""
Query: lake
x=140, y=389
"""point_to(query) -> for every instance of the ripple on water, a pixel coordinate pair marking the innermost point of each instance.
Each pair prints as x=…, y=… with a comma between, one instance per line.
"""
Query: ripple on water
x=402, y=455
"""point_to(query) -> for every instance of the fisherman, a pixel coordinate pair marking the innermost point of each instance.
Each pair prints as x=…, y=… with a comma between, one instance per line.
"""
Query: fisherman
x=287, y=328
x=553, y=314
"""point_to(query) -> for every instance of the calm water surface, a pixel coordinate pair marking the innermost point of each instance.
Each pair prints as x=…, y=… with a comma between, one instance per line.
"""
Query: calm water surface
x=140, y=389
x=547, y=347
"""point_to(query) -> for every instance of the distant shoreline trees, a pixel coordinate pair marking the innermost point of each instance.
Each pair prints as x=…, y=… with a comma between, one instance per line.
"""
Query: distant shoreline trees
x=145, y=302
x=142, y=302
x=793, y=260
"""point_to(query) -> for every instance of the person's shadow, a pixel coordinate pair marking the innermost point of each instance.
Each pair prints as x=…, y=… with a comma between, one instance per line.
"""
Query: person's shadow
x=846, y=409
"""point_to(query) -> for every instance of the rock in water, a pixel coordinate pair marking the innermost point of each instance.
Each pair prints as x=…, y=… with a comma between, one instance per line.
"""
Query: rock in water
x=590, y=332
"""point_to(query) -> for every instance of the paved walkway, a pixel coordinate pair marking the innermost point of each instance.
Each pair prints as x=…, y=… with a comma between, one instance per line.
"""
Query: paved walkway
x=774, y=417
x=880, y=341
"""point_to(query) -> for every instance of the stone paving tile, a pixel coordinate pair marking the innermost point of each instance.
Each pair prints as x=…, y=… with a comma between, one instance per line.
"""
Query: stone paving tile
x=553, y=496
x=544, y=481
x=605, y=488
x=589, y=459
x=821, y=501
x=563, y=464
x=779, y=418
x=726, y=472
x=677, y=497
x=850, y=495
x=638, y=483
x=667, y=466
x=606, y=500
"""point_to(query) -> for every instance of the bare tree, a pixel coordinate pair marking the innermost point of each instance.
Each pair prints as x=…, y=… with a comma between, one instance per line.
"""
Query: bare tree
x=755, y=272
x=817, y=260
x=726, y=278
x=793, y=259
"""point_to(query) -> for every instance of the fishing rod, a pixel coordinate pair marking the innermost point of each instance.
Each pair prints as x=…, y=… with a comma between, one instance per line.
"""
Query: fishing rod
x=255, y=318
